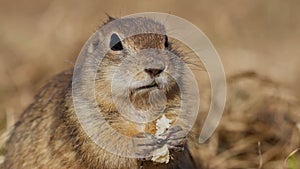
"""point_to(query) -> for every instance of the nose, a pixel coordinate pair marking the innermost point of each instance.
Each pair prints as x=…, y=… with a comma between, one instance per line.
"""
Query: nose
x=153, y=72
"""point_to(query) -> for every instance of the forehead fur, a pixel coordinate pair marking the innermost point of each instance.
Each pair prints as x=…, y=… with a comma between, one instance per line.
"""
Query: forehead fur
x=144, y=41
x=132, y=26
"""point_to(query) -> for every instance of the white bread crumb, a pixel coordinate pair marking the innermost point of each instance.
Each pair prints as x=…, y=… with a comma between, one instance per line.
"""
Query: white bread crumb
x=161, y=155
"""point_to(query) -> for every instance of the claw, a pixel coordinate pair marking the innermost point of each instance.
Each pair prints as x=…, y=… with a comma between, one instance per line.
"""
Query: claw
x=177, y=142
x=177, y=148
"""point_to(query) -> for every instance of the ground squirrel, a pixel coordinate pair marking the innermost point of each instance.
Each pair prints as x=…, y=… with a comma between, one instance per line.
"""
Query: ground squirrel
x=48, y=134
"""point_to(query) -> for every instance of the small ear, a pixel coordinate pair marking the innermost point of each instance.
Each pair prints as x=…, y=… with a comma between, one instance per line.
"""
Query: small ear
x=93, y=46
x=93, y=43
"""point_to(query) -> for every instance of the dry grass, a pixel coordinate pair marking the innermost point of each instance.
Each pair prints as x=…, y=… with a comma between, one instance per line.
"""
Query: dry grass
x=258, y=128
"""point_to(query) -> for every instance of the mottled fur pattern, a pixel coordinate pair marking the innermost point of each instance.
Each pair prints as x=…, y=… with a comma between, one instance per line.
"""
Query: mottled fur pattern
x=48, y=134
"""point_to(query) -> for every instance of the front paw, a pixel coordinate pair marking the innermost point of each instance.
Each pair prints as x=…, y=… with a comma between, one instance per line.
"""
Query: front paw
x=146, y=143
x=175, y=138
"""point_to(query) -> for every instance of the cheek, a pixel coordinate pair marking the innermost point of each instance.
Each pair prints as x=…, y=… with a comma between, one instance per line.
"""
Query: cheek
x=173, y=74
x=121, y=77
x=174, y=70
x=139, y=76
x=133, y=71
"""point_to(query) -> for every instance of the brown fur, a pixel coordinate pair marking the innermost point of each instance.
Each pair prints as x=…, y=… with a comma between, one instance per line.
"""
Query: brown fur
x=48, y=134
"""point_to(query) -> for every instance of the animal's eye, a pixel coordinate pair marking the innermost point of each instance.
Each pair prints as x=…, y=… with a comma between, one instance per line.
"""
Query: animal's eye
x=166, y=41
x=115, y=43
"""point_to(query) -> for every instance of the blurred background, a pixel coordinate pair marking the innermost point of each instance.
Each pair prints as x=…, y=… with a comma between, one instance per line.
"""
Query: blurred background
x=38, y=39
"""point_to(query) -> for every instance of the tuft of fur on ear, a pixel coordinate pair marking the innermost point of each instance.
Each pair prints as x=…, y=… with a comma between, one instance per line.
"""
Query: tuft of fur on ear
x=110, y=18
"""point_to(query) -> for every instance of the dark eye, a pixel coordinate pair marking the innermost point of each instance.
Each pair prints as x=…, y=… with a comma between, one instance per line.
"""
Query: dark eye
x=115, y=43
x=166, y=41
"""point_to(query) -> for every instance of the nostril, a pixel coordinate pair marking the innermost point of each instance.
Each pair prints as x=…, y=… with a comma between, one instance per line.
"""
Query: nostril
x=153, y=72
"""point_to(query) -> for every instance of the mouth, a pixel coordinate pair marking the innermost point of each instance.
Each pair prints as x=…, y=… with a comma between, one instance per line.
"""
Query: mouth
x=152, y=85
